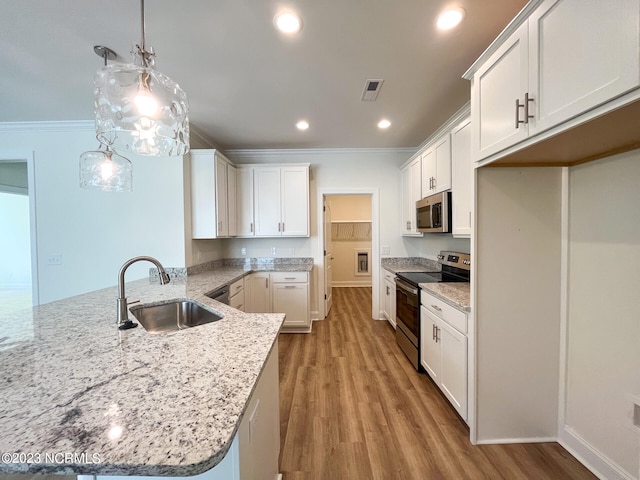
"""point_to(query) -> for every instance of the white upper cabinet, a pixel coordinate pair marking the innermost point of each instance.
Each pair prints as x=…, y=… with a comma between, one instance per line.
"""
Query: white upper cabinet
x=436, y=167
x=244, y=202
x=294, y=182
x=267, y=201
x=411, y=191
x=495, y=89
x=210, y=194
x=566, y=58
x=461, y=179
x=281, y=201
x=232, y=187
x=582, y=53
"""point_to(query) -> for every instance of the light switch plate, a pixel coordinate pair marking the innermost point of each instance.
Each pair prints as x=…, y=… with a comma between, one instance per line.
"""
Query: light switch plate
x=385, y=250
x=243, y=252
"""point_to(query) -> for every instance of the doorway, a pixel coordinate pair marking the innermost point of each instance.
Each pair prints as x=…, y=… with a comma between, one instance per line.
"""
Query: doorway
x=348, y=253
x=18, y=263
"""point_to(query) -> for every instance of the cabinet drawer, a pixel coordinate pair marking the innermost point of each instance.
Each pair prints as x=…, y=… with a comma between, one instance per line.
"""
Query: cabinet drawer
x=237, y=301
x=454, y=317
x=289, y=277
x=389, y=276
x=236, y=287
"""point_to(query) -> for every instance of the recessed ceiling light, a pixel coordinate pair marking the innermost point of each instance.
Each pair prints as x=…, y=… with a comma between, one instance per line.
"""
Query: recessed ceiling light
x=302, y=125
x=384, y=123
x=450, y=18
x=288, y=22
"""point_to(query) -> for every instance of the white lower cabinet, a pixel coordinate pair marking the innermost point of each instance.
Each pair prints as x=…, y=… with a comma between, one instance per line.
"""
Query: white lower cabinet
x=443, y=352
x=236, y=294
x=389, y=296
x=280, y=292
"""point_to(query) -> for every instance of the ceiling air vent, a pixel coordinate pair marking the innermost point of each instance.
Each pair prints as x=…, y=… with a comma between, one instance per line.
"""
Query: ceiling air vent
x=371, y=90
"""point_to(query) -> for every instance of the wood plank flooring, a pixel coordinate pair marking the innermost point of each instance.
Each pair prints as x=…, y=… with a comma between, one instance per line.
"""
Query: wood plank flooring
x=352, y=407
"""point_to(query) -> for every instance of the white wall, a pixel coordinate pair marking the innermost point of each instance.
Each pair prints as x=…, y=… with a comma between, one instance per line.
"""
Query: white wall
x=95, y=232
x=518, y=259
x=432, y=243
x=603, y=337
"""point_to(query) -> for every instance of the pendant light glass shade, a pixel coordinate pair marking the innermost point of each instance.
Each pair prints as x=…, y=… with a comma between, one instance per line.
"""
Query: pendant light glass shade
x=140, y=110
x=105, y=170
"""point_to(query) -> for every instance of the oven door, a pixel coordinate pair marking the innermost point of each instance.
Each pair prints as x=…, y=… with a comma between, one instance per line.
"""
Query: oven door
x=408, y=310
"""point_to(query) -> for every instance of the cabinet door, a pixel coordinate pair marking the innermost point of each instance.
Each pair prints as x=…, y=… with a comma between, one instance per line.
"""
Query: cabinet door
x=442, y=152
x=390, y=301
x=256, y=293
x=203, y=195
x=222, y=224
x=295, y=201
x=429, y=346
x=495, y=88
x=266, y=182
x=453, y=372
x=292, y=299
x=429, y=172
x=244, y=202
x=232, y=187
x=405, y=192
x=582, y=54
x=461, y=179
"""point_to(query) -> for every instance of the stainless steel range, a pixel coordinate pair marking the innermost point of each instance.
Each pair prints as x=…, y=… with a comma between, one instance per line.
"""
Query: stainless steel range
x=455, y=267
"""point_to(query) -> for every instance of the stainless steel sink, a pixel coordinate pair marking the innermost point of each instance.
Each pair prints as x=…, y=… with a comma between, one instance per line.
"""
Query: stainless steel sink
x=170, y=317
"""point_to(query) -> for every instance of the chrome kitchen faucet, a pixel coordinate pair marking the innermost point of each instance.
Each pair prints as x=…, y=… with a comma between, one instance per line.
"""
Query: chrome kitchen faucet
x=123, y=315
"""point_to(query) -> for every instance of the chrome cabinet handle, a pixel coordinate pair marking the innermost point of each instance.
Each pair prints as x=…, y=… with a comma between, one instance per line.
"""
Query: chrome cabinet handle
x=289, y=286
x=435, y=307
x=433, y=331
x=387, y=290
x=251, y=227
x=525, y=106
x=518, y=107
x=437, y=336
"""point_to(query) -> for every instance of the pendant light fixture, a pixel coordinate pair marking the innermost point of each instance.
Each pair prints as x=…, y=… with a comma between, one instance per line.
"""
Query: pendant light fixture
x=139, y=109
x=103, y=169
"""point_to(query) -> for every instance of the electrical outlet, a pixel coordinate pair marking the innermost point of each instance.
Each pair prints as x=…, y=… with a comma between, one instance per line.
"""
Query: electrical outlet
x=385, y=250
x=243, y=252
x=55, y=259
x=273, y=251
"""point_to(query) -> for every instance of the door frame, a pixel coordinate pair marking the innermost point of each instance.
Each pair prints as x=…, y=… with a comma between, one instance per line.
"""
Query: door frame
x=375, y=245
x=28, y=157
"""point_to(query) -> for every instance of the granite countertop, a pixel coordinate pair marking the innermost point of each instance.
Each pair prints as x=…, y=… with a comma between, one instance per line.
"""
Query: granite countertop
x=129, y=402
x=409, y=264
x=455, y=294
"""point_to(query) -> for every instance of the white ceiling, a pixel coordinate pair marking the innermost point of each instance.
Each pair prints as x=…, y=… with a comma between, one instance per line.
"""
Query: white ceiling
x=247, y=83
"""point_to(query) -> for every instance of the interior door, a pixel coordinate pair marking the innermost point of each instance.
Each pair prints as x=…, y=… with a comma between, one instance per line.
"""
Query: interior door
x=328, y=258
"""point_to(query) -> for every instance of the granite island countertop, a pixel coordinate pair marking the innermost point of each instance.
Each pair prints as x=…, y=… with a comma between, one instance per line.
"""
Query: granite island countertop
x=129, y=402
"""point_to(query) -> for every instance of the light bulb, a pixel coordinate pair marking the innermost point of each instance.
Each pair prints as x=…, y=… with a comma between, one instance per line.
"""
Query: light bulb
x=147, y=105
x=288, y=22
x=302, y=125
x=106, y=169
x=450, y=18
x=384, y=123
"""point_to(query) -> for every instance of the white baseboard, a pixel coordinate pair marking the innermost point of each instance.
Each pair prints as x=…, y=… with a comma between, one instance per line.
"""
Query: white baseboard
x=349, y=283
x=315, y=315
x=601, y=465
x=502, y=441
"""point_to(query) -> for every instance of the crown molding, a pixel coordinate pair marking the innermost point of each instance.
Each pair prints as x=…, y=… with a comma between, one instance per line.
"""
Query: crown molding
x=296, y=152
x=57, y=126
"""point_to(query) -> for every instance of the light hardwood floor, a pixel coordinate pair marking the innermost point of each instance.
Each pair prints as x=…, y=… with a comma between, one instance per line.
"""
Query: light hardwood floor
x=352, y=407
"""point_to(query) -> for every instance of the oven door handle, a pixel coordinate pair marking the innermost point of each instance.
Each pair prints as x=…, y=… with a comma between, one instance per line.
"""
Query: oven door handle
x=403, y=286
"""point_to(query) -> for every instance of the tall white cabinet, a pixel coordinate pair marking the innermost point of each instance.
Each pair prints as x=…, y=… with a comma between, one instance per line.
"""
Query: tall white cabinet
x=461, y=179
x=411, y=192
x=213, y=194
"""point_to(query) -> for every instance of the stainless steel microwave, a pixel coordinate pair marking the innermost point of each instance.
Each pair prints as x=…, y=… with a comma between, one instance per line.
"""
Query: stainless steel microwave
x=434, y=213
